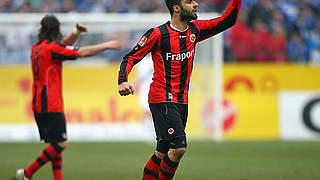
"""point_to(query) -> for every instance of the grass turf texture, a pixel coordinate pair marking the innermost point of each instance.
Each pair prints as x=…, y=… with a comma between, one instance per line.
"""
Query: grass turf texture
x=265, y=160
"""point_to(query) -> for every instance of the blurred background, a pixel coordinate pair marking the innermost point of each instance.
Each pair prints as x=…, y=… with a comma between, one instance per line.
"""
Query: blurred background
x=258, y=80
x=255, y=89
x=288, y=28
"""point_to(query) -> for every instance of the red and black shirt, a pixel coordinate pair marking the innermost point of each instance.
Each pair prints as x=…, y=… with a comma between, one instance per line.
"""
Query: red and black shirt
x=173, y=53
x=47, y=59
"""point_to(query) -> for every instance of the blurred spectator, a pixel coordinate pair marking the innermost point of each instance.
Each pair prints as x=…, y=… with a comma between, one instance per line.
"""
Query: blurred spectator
x=84, y=5
x=68, y=6
x=290, y=11
x=219, y=4
x=261, y=10
x=295, y=48
x=278, y=44
x=261, y=41
x=314, y=43
x=115, y=6
x=241, y=40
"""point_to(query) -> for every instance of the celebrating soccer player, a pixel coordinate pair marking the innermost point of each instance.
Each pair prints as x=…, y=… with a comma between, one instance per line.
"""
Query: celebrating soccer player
x=172, y=46
x=47, y=57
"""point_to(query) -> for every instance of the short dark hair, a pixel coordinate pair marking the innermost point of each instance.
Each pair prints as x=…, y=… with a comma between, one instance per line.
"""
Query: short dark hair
x=50, y=29
x=171, y=3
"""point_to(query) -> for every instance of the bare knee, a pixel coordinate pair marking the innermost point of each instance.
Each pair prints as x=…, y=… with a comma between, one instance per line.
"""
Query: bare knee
x=159, y=154
x=176, y=154
x=62, y=144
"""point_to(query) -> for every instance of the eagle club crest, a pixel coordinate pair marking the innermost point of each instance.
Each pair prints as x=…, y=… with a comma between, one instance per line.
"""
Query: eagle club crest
x=170, y=130
x=192, y=38
x=143, y=40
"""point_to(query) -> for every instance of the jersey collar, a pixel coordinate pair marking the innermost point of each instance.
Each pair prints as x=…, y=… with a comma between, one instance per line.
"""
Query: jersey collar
x=175, y=29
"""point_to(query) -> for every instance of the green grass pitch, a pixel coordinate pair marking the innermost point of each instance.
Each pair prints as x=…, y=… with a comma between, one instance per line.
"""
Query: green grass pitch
x=256, y=160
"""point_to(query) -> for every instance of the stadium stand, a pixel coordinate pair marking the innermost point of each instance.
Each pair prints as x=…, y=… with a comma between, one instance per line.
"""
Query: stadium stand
x=274, y=31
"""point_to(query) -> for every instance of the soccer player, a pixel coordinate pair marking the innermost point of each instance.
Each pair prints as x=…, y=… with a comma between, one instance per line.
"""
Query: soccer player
x=47, y=56
x=172, y=46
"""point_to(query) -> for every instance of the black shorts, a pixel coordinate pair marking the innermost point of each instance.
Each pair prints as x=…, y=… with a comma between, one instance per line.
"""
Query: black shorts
x=170, y=120
x=52, y=126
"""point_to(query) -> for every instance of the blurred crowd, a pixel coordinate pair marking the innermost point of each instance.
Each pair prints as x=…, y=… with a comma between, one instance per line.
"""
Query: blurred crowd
x=267, y=30
x=97, y=6
x=276, y=31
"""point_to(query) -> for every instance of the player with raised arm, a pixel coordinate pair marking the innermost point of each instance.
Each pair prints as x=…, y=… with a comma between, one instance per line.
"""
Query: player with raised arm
x=47, y=57
x=172, y=46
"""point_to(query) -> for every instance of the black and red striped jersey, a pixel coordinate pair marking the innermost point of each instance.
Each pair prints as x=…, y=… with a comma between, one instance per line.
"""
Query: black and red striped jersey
x=47, y=59
x=173, y=53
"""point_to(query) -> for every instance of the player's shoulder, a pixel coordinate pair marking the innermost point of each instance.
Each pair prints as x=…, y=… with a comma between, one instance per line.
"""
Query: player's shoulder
x=163, y=25
x=58, y=43
x=48, y=44
x=153, y=32
x=194, y=26
x=193, y=23
x=44, y=44
x=163, y=28
x=35, y=45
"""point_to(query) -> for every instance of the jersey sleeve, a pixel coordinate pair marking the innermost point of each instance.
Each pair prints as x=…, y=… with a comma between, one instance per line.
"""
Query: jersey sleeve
x=212, y=27
x=63, y=52
x=147, y=43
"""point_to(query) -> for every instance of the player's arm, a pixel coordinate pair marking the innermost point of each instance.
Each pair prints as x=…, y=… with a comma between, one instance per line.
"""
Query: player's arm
x=72, y=37
x=147, y=43
x=96, y=49
x=212, y=27
x=64, y=52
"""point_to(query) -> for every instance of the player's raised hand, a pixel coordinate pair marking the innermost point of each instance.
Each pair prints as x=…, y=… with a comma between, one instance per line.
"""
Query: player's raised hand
x=81, y=28
x=126, y=89
x=113, y=44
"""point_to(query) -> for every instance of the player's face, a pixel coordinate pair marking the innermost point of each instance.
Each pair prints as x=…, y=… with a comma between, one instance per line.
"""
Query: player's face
x=188, y=10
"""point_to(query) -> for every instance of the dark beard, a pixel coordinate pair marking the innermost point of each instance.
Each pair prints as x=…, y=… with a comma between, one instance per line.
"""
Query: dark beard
x=186, y=16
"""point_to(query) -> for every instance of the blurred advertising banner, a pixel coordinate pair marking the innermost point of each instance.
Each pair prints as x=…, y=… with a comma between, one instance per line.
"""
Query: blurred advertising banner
x=256, y=104
x=299, y=115
x=94, y=109
x=254, y=91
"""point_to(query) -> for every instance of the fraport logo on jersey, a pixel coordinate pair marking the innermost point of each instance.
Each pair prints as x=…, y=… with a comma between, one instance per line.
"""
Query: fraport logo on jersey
x=143, y=41
x=179, y=57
